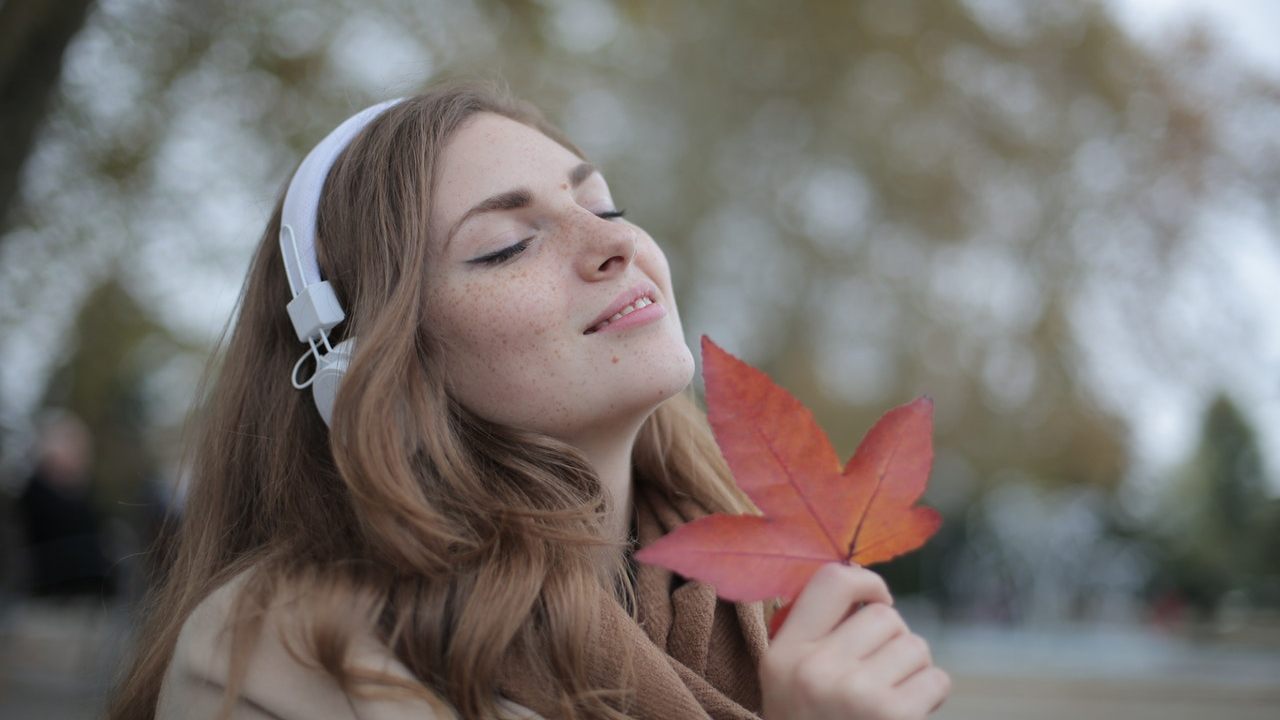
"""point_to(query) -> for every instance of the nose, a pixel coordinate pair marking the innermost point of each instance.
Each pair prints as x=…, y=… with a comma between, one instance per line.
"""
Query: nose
x=607, y=246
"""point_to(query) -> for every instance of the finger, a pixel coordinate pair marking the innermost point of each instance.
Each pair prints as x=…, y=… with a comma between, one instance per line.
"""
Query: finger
x=828, y=598
x=867, y=630
x=925, y=691
x=896, y=660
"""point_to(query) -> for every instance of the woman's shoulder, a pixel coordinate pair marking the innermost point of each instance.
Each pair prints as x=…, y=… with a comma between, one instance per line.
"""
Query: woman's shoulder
x=277, y=683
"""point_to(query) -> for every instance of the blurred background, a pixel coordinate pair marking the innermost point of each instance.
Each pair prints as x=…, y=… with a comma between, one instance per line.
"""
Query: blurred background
x=1059, y=219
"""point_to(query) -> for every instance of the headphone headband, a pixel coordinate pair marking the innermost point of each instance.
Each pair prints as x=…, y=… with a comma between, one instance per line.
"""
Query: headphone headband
x=314, y=309
x=302, y=200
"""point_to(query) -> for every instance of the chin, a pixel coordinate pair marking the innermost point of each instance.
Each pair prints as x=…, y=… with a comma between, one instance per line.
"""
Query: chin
x=680, y=375
x=667, y=376
x=677, y=363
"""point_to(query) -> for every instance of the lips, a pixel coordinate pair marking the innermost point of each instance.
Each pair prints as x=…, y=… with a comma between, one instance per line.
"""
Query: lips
x=641, y=289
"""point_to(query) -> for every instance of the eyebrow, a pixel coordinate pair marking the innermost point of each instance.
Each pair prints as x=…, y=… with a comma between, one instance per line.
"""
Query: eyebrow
x=515, y=199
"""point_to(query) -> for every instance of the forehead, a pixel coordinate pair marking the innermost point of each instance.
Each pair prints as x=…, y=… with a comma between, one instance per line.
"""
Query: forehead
x=490, y=154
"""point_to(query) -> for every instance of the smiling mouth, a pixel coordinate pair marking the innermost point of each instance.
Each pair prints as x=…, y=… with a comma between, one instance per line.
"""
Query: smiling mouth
x=643, y=302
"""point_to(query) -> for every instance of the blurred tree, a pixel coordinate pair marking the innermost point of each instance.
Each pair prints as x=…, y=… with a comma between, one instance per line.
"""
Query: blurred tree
x=104, y=381
x=33, y=37
x=1218, y=527
x=1231, y=465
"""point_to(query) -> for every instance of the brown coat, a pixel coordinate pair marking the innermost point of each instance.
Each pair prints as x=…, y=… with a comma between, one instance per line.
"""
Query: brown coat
x=277, y=686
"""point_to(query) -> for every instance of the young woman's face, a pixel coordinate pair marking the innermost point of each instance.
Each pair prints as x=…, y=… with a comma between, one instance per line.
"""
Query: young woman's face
x=519, y=349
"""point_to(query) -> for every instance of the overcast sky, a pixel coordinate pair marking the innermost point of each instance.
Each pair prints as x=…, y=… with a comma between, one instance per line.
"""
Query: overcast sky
x=1250, y=27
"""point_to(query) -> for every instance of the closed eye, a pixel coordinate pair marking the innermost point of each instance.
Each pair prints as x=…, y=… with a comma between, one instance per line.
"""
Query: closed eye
x=505, y=254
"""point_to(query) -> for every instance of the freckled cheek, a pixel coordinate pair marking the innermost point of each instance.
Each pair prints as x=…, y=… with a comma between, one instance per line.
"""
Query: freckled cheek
x=512, y=325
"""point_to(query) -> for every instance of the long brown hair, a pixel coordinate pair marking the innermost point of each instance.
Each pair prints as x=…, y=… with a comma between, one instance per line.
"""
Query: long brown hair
x=458, y=539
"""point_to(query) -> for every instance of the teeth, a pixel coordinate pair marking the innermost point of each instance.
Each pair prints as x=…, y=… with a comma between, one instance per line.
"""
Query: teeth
x=630, y=308
x=641, y=303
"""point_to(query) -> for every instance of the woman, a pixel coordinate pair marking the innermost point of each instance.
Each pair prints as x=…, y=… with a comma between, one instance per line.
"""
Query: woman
x=449, y=530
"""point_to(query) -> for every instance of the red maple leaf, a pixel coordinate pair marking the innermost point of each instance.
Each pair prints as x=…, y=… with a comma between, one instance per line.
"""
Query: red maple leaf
x=814, y=512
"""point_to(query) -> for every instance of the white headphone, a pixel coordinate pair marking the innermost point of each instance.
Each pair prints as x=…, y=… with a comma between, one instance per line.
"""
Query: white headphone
x=314, y=309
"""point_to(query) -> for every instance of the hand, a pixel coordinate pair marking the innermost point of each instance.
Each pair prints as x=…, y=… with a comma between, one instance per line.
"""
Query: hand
x=844, y=653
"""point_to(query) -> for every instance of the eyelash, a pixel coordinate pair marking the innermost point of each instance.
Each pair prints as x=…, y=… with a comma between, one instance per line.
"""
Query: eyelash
x=507, y=253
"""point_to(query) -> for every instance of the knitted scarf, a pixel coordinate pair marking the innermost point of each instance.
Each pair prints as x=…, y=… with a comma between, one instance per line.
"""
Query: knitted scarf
x=693, y=655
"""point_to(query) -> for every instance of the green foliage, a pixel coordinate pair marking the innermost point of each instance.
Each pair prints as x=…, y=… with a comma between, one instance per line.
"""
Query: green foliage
x=1219, y=526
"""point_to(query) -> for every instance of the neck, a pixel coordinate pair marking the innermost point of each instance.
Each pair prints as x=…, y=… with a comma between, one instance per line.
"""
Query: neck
x=610, y=456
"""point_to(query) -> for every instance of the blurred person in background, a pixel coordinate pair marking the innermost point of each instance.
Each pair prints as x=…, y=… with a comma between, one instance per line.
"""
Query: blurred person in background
x=65, y=543
x=453, y=534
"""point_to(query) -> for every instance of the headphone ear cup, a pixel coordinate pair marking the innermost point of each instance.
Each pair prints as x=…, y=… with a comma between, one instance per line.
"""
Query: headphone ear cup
x=329, y=371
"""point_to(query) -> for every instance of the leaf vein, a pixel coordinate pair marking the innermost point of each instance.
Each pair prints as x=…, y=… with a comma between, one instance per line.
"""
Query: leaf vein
x=786, y=469
x=875, y=492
